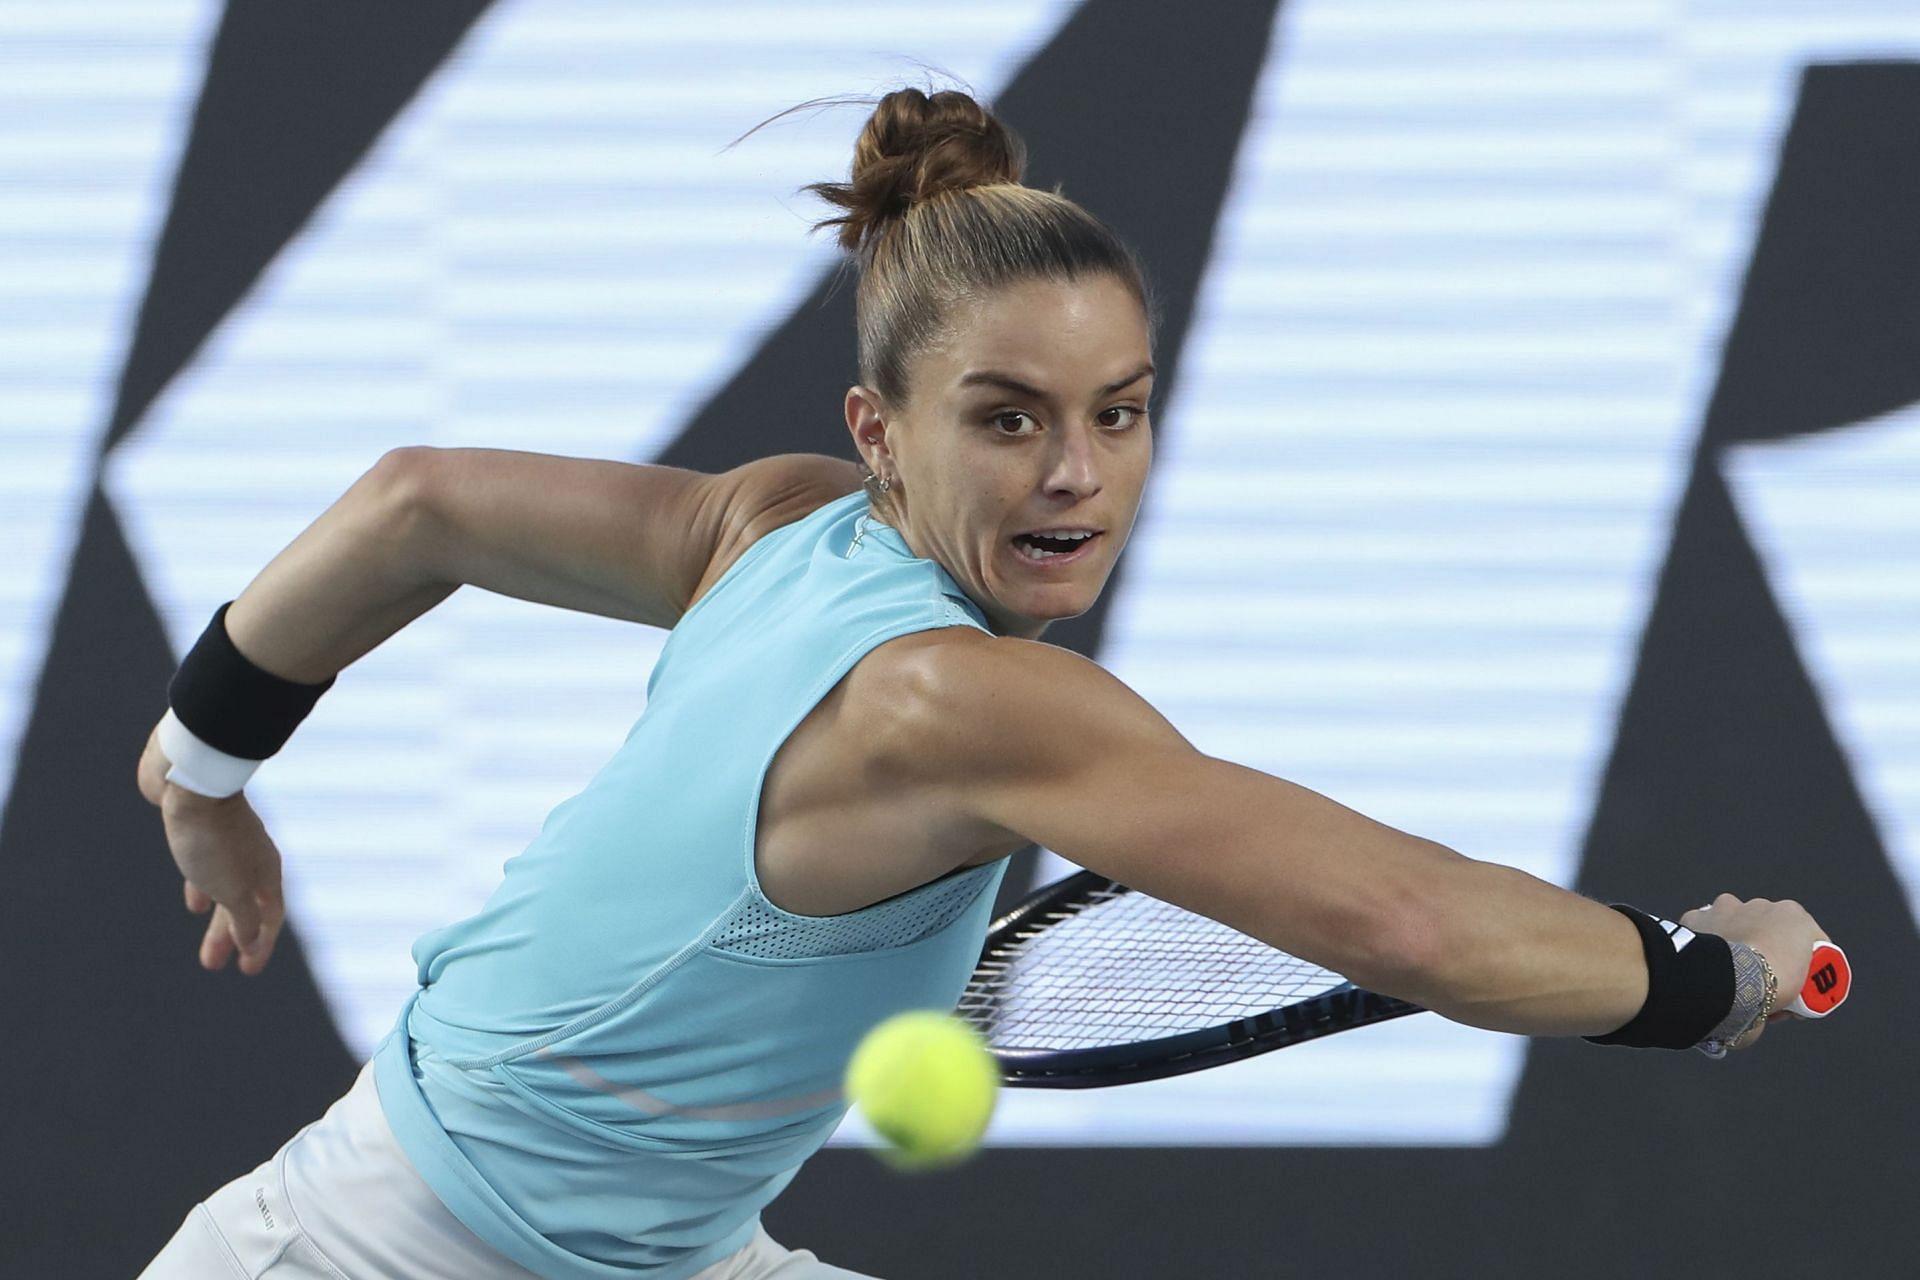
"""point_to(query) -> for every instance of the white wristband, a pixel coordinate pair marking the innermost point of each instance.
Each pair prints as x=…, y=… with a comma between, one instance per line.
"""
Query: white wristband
x=197, y=767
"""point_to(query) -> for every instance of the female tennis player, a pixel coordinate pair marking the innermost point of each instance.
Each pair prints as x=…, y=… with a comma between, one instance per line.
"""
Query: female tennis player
x=629, y=1051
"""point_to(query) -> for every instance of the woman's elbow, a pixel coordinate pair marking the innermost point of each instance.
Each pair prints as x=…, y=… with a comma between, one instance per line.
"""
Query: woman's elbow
x=401, y=482
x=401, y=488
x=395, y=504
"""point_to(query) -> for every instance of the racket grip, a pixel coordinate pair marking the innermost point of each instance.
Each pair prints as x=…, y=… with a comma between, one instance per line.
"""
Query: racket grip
x=1829, y=979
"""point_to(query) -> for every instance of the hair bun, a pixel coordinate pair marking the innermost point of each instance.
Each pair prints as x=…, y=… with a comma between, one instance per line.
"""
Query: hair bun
x=915, y=148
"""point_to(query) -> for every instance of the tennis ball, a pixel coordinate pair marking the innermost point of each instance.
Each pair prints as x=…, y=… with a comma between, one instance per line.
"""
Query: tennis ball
x=926, y=1083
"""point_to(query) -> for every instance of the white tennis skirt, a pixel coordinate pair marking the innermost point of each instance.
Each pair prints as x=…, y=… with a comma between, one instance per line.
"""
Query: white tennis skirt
x=340, y=1202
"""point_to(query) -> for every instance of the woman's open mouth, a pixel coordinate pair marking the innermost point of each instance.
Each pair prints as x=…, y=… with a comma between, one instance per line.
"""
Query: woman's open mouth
x=1043, y=551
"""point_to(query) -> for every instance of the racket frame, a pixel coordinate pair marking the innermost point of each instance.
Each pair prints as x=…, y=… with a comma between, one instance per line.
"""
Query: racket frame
x=1340, y=1009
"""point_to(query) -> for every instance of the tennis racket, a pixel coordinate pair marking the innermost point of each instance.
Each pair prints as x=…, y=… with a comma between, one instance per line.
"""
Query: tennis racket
x=1087, y=984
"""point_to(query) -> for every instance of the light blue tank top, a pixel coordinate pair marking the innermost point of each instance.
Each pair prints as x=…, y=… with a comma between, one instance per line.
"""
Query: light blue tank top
x=629, y=1051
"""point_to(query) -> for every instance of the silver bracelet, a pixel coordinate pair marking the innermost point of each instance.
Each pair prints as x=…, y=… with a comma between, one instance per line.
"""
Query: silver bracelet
x=1753, y=990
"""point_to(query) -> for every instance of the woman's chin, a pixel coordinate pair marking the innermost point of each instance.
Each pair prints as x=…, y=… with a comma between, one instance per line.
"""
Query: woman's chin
x=1053, y=604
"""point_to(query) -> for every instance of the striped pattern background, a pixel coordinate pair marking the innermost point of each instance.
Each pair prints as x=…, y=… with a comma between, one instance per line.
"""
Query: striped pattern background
x=1450, y=357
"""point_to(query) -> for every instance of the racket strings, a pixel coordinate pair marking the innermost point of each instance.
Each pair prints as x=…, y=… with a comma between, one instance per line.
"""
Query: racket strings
x=1120, y=967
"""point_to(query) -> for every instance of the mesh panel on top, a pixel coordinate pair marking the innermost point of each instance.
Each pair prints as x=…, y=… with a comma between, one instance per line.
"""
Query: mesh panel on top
x=758, y=928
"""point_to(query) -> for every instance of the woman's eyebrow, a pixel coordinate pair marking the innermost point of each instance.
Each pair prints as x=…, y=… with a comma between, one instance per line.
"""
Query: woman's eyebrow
x=991, y=377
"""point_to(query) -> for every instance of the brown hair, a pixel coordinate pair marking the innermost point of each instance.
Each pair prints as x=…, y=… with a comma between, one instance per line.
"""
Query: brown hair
x=934, y=213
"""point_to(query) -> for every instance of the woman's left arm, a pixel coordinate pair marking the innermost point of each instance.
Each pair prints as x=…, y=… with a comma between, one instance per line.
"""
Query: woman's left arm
x=622, y=540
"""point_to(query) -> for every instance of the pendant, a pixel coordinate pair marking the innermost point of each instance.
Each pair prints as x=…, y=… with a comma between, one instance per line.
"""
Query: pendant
x=859, y=532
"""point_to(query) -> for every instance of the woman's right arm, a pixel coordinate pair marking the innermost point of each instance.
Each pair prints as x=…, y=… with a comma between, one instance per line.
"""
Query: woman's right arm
x=1033, y=741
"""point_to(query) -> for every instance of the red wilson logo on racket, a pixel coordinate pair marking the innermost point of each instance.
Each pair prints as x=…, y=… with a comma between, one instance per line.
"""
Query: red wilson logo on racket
x=1828, y=981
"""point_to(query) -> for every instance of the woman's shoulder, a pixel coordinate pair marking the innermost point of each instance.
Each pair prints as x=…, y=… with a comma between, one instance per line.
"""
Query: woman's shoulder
x=772, y=493
x=974, y=690
x=769, y=493
x=974, y=724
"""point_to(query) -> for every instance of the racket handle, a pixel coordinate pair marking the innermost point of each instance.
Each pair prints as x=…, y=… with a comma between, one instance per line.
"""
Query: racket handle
x=1829, y=979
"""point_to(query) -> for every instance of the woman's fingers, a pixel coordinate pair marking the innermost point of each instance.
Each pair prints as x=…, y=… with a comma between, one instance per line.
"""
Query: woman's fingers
x=224, y=936
x=257, y=886
x=253, y=958
x=217, y=947
x=151, y=773
x=255, y=954
x=230, y=871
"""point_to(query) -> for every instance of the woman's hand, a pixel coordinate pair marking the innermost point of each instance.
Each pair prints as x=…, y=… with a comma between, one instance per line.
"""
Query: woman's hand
x=230, y=865
x=1783, y=932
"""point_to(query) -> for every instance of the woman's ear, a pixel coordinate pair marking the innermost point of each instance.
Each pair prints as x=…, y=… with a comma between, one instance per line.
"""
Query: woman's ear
x=867, y=415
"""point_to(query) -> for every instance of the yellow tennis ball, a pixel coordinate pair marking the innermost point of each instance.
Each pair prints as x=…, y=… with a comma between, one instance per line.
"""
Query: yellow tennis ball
x=926, y=1083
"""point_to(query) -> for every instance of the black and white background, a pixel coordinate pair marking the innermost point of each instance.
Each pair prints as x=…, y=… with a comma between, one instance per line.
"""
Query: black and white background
x=1538, y=470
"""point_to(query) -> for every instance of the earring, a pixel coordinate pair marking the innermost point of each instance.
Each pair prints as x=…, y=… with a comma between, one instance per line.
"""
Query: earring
x=884, y=485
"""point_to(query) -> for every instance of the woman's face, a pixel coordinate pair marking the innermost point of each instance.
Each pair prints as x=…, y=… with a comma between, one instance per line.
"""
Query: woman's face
x=1031, y=417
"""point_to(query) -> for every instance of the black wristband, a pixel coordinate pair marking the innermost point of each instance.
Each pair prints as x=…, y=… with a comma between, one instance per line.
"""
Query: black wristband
x=1689, y=986
x=232, y=705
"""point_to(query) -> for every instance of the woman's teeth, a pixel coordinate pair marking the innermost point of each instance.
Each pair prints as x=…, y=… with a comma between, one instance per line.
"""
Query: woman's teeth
x=1061, y=545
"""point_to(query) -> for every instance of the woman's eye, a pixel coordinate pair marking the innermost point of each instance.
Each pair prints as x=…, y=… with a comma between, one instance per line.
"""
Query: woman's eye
x=1120, y=415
